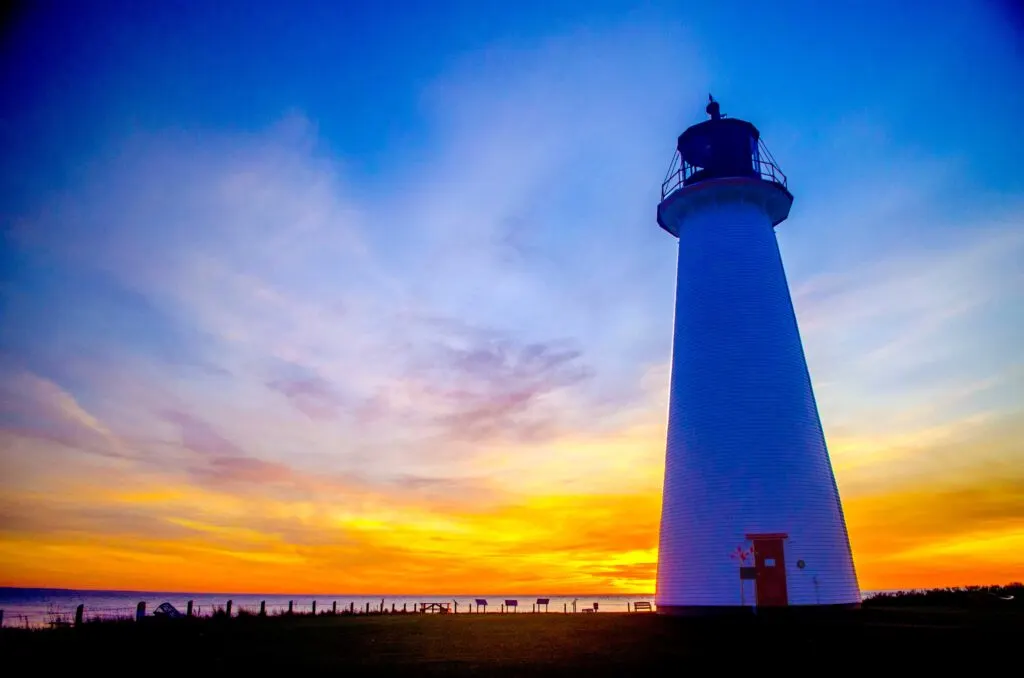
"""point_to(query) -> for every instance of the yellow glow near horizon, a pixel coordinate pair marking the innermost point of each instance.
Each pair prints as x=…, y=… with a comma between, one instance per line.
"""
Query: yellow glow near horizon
x=111, y=527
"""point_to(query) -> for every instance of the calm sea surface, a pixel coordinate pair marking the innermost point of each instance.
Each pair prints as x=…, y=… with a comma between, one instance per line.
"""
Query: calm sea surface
x=39, y=607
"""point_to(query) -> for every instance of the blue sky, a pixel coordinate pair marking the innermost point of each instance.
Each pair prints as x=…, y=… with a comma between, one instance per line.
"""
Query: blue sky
x=413, y=247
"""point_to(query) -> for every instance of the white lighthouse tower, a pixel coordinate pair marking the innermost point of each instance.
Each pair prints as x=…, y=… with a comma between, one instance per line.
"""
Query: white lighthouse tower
x=751, y=512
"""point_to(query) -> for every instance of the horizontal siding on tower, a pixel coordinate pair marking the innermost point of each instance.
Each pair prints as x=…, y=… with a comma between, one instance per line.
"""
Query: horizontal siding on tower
x=746, y=452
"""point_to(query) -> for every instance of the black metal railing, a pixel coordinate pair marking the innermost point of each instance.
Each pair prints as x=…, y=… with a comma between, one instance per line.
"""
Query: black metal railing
x=762, y=169
x=763, y=166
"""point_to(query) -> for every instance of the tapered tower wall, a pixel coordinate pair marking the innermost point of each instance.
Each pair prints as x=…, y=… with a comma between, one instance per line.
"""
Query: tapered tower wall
x=746, y=452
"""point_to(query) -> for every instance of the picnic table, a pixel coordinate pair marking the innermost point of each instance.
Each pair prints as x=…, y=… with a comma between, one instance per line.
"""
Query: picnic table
x=440, y=608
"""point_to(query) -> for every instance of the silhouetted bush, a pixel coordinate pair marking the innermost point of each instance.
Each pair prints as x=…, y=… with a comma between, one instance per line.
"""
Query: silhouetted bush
x=1011, y=595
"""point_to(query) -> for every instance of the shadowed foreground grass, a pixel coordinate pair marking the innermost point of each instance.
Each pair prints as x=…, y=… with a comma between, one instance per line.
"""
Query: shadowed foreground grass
x=602, y=644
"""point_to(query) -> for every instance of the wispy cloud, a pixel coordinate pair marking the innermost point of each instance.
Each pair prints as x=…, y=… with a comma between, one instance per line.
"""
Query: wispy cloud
x=312, y=395
x=38, y=408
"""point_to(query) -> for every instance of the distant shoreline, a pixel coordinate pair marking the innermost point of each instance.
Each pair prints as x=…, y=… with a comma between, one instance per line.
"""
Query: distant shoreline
x=144, y=592
x=528, y=594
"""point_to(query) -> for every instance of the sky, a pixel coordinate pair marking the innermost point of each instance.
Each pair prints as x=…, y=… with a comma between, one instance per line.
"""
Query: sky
x=326, y=298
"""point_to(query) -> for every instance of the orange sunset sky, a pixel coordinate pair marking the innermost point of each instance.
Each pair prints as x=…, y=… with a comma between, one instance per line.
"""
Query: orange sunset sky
x=378, y=304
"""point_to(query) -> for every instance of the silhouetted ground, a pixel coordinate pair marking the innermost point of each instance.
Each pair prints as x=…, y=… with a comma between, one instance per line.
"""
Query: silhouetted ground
x=524, y=644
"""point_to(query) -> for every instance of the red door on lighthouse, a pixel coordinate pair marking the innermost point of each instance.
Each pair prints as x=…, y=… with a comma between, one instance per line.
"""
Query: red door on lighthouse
x=770, y=564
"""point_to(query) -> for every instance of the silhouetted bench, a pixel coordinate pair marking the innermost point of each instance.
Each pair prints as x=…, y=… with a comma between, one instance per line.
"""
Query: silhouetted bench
x=642, y=606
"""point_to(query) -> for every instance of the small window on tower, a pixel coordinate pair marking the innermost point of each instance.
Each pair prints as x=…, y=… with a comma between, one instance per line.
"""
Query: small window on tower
x=769, y=562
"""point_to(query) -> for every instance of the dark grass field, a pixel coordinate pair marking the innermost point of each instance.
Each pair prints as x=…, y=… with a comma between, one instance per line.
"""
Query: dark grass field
x=523, y=644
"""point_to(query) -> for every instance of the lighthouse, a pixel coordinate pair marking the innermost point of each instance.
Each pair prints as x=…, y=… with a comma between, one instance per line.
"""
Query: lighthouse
x=751, y=514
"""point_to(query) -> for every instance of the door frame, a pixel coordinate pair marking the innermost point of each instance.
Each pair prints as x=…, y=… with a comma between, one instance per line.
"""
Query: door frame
x=780, y=538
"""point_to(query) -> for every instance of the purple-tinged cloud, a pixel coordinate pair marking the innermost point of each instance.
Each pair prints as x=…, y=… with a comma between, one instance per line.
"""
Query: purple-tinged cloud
x=221, y=470
x=313, y=396
x=199, y=436
x=491, y=388
x=34, y=407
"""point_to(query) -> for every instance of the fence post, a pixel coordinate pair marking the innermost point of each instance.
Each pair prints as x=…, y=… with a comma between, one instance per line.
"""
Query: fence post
x=351, y=607
x=79, y=614
x=565, y=608
x=1, y=618
x=403, y=606
x=263, y=608
x=456, y=606
x=392, y=608
x=291, y=606
x=367, y=607
x=314, y=608
x=228, y=610
x=188, y=609
x=627, y=607
x=334, y=608
x=140, y=610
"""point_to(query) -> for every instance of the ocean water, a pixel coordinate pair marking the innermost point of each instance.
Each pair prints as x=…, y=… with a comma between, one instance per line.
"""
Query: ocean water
x=41, y=607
